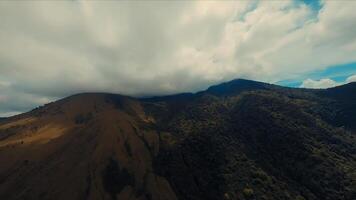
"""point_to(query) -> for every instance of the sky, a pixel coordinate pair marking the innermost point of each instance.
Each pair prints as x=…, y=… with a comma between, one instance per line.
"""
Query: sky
x=52, y=49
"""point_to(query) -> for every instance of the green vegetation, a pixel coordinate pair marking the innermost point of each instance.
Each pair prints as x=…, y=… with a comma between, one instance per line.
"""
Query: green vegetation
x=248, y=192
x=283, y=143
x=241, y=140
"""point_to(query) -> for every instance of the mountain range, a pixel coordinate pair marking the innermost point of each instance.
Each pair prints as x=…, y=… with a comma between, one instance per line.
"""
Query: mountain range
x=238, y=140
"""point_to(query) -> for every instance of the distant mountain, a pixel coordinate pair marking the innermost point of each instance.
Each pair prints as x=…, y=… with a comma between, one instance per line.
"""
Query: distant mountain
x=236, y=86
x=236, y=140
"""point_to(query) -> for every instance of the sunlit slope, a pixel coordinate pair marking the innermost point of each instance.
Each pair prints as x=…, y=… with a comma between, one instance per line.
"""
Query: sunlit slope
x=91, y=146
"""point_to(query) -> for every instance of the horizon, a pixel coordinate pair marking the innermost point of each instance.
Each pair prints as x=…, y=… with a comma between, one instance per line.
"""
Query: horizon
x=173, y=94
x=51, y=50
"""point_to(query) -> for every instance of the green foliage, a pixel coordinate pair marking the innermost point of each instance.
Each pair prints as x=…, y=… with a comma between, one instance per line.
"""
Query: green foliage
x=278, y=141
x=299, y=198
x=247, y=192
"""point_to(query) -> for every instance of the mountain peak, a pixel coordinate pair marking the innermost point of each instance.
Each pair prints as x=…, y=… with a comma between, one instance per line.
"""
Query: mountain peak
x=236, y=86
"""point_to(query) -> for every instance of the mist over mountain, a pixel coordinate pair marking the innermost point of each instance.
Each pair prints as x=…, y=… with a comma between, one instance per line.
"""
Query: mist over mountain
x=237, y=140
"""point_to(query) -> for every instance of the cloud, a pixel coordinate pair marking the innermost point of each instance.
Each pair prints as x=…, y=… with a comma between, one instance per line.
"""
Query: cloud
x=322, y=83
x=53, y=49
x=6, y=114
x=351, y=79
x=326, y=82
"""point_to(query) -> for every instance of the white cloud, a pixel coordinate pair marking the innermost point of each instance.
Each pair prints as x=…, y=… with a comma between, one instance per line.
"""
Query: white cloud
x=6, y=114
x=326, y=82
x=322, y=83
x=351, y=79
x=53, y=49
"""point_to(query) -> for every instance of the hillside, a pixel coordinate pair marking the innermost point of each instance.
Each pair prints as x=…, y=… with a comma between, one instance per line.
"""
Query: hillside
x=237, y=140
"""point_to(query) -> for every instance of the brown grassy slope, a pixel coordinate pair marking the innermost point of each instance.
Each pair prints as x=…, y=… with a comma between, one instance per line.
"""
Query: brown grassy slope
x=84, y=147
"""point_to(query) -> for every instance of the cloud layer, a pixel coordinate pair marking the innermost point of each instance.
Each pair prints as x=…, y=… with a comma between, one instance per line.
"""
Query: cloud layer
x=52, y=49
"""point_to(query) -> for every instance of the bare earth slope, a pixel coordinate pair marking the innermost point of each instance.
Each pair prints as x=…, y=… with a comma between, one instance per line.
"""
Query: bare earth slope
x=238, y=140
x=88, y=146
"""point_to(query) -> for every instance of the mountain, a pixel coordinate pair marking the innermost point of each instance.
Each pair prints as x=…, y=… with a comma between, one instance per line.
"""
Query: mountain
x=237, y=140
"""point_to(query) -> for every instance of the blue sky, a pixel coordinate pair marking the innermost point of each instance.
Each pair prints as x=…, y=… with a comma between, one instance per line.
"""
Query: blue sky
x=337, y=73
x=314, y=4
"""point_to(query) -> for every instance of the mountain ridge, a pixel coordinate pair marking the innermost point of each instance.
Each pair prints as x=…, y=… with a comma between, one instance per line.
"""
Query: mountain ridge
x=237, y=140
x=213, y=89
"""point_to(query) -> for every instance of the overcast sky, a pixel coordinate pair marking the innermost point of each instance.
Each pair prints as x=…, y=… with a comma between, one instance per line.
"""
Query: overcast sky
x=51, y=49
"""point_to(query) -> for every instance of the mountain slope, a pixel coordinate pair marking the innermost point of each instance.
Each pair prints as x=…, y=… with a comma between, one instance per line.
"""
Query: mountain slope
x=237, y=140
x=84, y=147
